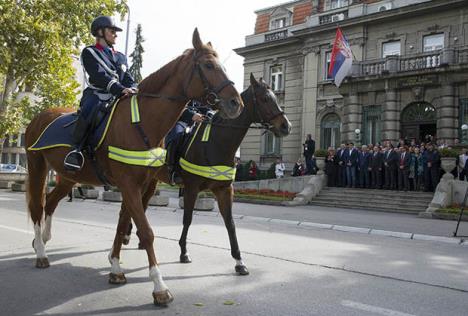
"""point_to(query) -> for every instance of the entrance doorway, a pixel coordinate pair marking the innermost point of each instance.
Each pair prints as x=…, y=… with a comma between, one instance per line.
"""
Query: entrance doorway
x=418, y=120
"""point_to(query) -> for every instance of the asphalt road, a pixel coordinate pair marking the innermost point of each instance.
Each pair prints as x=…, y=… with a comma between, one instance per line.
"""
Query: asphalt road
x=294, y=270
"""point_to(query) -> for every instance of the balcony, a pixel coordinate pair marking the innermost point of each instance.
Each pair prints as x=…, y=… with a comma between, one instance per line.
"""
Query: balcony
x=276, y=36
x=408, y=63
x=333, y=17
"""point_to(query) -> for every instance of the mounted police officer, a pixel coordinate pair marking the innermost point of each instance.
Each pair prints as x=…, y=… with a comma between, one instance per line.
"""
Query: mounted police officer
x=107, y=79
x=194, y=113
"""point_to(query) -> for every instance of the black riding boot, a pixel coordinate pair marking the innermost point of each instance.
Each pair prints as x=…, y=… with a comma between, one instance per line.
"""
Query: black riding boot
x=172, y=159
x=74, y=160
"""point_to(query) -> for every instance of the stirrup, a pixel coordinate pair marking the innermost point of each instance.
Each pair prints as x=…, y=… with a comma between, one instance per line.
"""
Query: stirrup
x=74, y=165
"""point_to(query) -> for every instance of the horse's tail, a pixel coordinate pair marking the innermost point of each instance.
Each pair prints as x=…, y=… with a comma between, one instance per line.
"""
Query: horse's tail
x=37, y=169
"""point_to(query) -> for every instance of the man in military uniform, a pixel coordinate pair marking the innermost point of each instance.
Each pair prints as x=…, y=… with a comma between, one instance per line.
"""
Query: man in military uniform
x=108, y=79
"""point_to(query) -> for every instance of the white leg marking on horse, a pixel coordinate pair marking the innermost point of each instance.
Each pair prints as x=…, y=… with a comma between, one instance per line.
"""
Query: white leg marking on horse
x=239, y=263
x=114, y=262
x=38, y=243
x=46, y=233
x=156, y=276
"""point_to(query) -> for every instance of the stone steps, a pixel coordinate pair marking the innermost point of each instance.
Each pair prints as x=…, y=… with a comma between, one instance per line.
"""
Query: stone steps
x=369, y=199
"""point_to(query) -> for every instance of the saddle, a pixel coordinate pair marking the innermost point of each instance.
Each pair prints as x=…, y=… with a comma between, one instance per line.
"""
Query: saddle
x=59, y=133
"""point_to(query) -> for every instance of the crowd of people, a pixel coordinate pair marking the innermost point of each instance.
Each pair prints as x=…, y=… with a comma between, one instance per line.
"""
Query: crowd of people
x=403, y=167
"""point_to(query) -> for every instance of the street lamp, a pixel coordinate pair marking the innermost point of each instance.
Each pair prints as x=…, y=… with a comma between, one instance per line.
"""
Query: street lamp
x=464, y=128
x=128, y=28
x=357, y=131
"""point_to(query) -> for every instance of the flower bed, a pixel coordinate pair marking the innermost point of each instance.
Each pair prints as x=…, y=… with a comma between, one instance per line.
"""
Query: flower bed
x=265, y=194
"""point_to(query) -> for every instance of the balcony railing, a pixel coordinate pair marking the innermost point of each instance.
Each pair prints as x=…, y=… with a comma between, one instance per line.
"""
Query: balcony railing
x=276, y=36
x=333, y=17
x=396, y=64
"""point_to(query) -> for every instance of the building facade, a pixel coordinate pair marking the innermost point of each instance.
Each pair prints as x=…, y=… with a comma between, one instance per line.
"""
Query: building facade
x=409, y=76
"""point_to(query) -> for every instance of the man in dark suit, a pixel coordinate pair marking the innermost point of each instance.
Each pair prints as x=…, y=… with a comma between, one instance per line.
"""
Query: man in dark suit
x=340, y=158
x=403, y=169
x=309, y=150
x=351, y=164
x=376, y=162
x=390, y=165
x=363, y=166
x=431, y=160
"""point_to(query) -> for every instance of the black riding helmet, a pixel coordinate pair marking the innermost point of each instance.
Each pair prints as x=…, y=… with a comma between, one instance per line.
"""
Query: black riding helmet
x=102, y=22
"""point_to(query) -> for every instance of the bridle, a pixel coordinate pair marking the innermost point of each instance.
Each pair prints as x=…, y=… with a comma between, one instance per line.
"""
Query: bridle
x=264, y=123
x=211, y=94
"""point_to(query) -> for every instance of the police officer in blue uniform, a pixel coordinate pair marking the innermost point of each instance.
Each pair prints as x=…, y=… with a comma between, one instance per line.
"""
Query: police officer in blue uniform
x=108, y=79
x=194, y=113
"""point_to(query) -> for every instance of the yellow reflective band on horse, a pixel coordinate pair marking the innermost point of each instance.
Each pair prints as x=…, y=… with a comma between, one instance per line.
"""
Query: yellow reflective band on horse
x=206, y=133
x=155, y=157
x=135, y=110
x=220, y=173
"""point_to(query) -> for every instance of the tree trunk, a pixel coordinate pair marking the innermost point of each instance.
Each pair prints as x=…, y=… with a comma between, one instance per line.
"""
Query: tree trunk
x=2, y=141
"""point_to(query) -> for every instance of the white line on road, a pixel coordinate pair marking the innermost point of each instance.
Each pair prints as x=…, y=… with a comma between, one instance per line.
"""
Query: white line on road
x=17, y=230
x=373, y=309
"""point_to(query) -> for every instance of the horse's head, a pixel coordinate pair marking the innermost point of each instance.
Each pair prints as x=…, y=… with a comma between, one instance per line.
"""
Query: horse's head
x=266, y=109
x=208, y=80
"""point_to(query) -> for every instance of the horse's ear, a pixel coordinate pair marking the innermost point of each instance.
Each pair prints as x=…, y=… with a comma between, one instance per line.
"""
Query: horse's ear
x=253, y=81
x=209, y=44
x=197, y=43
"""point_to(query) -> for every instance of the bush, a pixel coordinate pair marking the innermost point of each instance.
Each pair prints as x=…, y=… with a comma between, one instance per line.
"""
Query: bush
x=115, y=189
x=448, y=153
x=321, y=153
x=87, y=187
x=52, y=183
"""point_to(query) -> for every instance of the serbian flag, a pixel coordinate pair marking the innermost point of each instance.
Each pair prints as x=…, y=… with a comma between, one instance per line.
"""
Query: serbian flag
x=341, y=59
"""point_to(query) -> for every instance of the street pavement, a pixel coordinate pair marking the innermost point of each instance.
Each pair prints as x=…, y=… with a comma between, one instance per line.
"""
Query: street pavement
x=295, y=269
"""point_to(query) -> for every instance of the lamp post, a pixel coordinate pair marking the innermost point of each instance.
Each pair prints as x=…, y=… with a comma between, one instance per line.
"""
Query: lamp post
x=464, y=128
x=128, y=28
x=357, y=131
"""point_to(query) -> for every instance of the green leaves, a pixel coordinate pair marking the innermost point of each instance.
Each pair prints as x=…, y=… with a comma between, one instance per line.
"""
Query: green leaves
x=38, y=41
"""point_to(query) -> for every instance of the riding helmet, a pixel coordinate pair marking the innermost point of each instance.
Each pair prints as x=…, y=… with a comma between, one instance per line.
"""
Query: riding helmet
x=102, y=22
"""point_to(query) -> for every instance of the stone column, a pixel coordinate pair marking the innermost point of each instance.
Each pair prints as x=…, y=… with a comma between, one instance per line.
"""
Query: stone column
x=352, y=117
x=309, y=107
x=391, y=117
x=447, y=115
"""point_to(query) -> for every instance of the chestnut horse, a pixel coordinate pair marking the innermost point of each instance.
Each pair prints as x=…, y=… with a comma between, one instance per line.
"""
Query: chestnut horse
x=225, y=138
x=162, y=97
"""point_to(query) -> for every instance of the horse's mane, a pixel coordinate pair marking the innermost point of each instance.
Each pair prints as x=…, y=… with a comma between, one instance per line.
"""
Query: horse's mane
x=155, y=81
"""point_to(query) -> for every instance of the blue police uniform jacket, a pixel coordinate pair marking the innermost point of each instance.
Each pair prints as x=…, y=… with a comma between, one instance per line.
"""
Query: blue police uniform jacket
x=107, y=76
x=185, y=121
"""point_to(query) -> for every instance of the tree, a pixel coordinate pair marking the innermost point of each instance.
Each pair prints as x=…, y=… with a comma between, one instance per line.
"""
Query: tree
x=137, y=56
x=38, y=41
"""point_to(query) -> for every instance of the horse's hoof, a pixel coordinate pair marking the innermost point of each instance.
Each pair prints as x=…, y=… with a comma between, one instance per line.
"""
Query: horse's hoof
x=185, y=258
x=42, y=263
x=162, y=298
x=126, y=240
x=117, y=278
x=242, y=270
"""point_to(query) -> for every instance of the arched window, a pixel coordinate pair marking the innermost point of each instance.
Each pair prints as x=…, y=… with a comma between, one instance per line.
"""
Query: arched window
x=331, y=131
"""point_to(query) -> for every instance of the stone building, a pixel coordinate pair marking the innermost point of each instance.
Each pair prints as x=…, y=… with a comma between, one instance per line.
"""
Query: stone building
x=409, y=76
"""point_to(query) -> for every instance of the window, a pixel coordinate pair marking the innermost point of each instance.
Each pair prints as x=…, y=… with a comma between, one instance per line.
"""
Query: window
x=433, y=42
x=7, y=141
x=277, y=78
x=391, y=49
x=336, y=4
x=463, y=119
x=372, y=124
x=327, y=66
x=278, y=23
x=5, y=158
x=23, y=139
x=331, y=131
x=271, y=144
x=22, y=160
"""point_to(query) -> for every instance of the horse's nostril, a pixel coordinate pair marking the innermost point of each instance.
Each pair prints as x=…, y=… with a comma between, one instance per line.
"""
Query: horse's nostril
x=234, y=103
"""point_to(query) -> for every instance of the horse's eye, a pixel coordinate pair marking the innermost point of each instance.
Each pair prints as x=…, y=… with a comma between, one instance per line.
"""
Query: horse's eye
x=209, y=66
